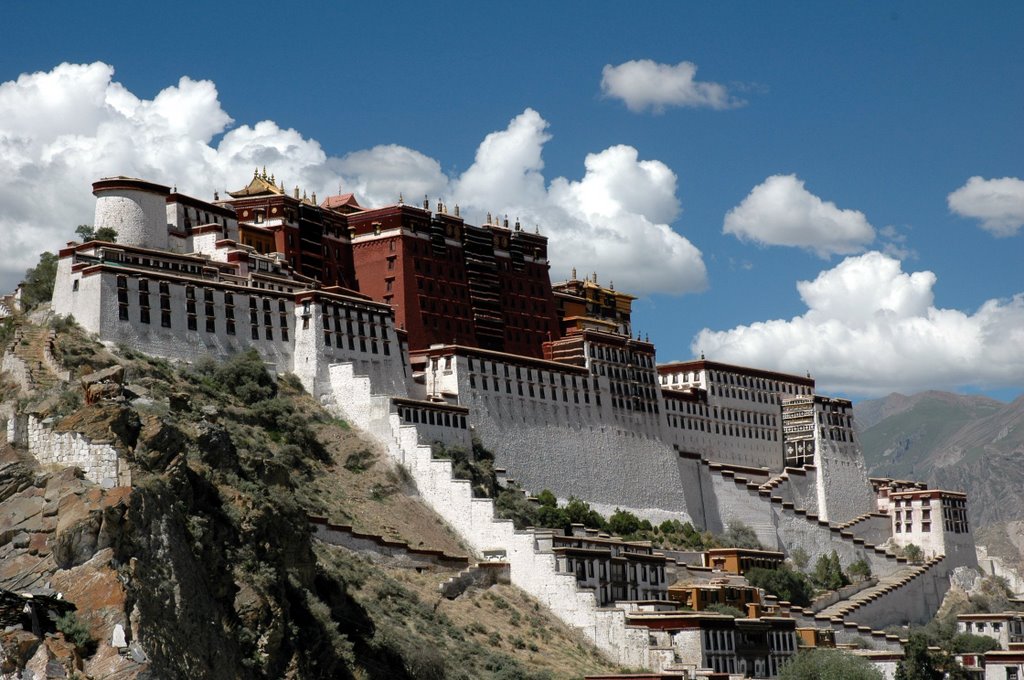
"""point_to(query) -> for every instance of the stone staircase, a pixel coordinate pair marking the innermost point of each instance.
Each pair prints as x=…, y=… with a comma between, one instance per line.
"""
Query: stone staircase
x=530, y=569
x=784, y=476
x=30, y=345
x=848, y=608
x=882, y=560
x=856, y=520
x=535, y=571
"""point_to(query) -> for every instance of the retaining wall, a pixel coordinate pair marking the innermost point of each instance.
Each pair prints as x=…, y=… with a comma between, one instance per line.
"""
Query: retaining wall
x=99, y=460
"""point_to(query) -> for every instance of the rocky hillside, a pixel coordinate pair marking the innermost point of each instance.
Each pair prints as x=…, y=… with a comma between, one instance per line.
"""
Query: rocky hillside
x=952, y=441
x=206, y=566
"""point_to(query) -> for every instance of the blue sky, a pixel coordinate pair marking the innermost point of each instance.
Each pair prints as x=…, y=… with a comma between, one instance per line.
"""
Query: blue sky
x=868, y=116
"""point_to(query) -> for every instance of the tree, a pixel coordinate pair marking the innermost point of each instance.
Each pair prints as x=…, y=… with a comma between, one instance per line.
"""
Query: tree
x=917, y=664
x=512, y=504
x=87, y=232
x=828, y=573
x=968, y=643
x=38, y=284
x=913, y=553
x=800, y=558
x=828, y=664
x=580, y=512
x=784, y=583
x=739, y=535
x=859, y=570
x=547, y=499
x=623, y=523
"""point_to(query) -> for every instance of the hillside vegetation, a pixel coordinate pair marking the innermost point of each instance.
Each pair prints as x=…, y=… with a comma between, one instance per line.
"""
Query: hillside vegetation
x=208, y=561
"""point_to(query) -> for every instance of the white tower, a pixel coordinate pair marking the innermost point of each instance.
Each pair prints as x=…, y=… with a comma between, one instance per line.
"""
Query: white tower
x=134, y=208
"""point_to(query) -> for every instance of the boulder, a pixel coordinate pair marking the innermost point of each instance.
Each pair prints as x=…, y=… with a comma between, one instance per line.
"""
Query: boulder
x=103, y=385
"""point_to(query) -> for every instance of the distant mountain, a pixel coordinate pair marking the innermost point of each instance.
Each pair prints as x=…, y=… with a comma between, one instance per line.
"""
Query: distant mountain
x=951, y=441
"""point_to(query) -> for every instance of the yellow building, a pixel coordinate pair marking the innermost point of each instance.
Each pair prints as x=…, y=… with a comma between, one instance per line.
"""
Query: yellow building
x=586, y=305
x=742, y=560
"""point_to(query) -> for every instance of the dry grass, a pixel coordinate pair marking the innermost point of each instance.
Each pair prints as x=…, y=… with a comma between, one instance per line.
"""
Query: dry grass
x=362, y=487
x=495, y=632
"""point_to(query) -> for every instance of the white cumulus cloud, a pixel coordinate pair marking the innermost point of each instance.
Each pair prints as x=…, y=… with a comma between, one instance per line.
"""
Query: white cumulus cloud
x=611, y=221
x=782, y=212
x=61, y=130
x=870, y=329
x=645, y=84
x=998, y=203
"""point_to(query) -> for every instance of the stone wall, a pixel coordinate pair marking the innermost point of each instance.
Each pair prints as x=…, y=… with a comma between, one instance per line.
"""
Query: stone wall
x=473, y=518
x=138, y=216
x=843, y=488
x=997, y=566
x=915, y=602
x=99, y=461
x=16, y=370
x=482, y=575
x=398, y=553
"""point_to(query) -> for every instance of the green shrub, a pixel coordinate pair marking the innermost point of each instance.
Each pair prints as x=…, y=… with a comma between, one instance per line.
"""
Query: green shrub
x=968, y=643
x=512, y=504
x=828, y=573
x=359, y=461
x=739, y=535
x=719, y=608
x=77, y=633
x=828, y=664
x=784, y=583
x=859, y=570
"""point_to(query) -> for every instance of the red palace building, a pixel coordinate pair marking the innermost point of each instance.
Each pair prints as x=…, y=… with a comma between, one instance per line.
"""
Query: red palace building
x=449, y=282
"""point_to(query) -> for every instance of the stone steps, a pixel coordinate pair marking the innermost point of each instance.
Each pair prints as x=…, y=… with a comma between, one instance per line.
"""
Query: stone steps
x=29, y=345
x=473, y=519
x=841, y=610
x=739, y=477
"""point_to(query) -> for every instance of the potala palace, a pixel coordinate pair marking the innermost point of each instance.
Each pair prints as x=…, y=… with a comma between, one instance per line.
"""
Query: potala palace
x=419, y=328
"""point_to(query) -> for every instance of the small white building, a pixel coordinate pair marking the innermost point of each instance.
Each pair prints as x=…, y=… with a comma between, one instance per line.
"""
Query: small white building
x=745, y=647
x=1006, y=628
x=933, y=520
x=1005, y=664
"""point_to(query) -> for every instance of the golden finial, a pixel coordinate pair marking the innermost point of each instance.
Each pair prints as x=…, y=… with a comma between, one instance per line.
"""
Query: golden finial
x=401, y=199
x=314, y=198
x=256, y=172
x=296, y=191
x=426, y=202
x=264, y=172
x=574, y=273
x=457, y=210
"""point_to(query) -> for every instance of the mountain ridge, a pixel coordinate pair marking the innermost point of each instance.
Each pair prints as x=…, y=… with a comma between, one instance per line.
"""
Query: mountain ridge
x=961, y=442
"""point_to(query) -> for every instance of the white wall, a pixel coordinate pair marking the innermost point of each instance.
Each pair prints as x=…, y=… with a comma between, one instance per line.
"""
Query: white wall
x=99, y=461
x=139, y=217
